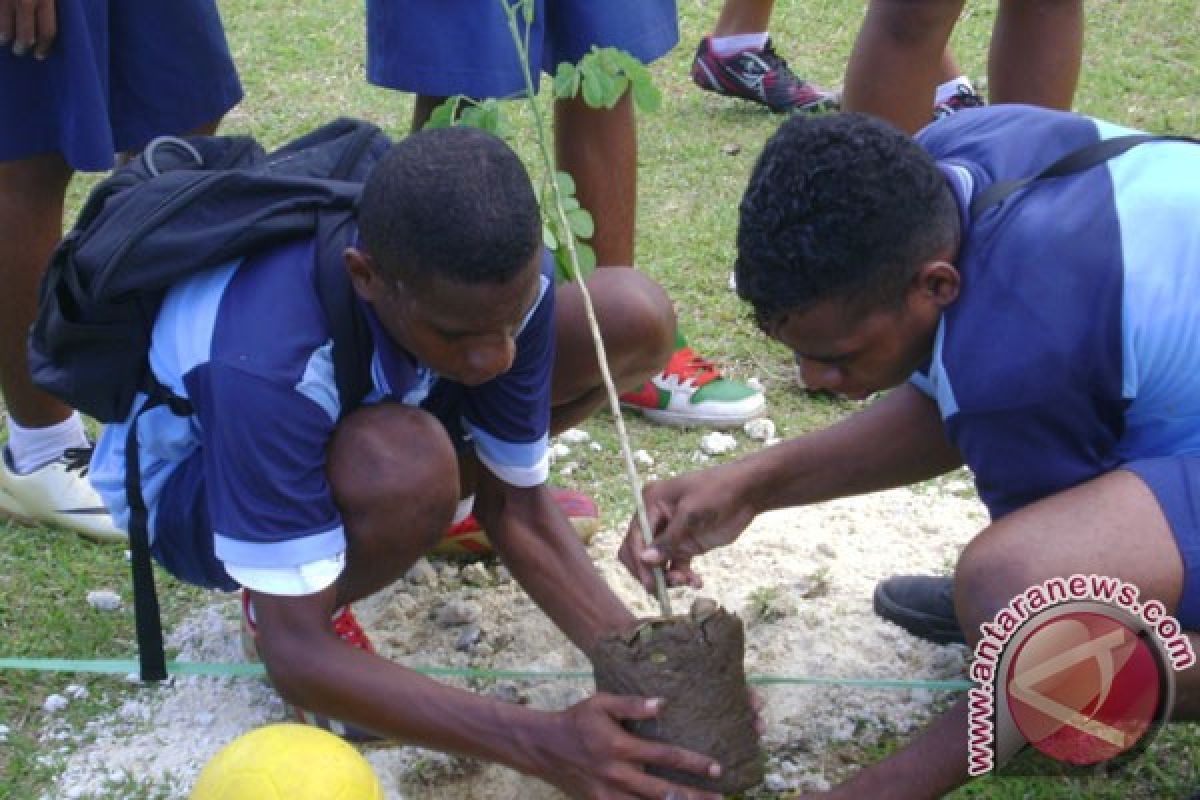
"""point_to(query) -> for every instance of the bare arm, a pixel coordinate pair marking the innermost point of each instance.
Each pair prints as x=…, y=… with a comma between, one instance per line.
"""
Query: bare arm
x=896, y=441
x=582, y=750
x=541, y=550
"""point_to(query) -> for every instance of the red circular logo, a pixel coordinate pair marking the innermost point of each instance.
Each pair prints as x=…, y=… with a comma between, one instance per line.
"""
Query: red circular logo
x=1083, y=688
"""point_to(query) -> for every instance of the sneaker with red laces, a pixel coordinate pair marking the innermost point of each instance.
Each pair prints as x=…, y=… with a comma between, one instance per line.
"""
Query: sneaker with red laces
x=691, y=391
x=760, y=76
x=467, y=538
x=348, y=630
x=963, y=98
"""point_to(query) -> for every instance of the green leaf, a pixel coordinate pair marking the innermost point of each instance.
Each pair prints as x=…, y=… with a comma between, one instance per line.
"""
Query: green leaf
x=602, y=90
x=443, y=115
x=527, y=6
x=581, y=223
x=646, y=96
x=569, y=203
x=564, y=182
x=587, y=258
x=566, y=81
x=548, y=238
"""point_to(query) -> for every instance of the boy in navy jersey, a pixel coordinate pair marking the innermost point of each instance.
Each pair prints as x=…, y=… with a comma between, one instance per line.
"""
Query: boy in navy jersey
x=1051, y=343
x=476, y=359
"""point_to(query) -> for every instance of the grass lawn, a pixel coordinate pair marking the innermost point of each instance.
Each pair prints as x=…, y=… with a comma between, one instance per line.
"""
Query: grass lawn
x=303, y=63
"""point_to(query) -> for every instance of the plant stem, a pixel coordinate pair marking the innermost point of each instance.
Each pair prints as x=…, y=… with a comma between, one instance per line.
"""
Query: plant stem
x=614, y=402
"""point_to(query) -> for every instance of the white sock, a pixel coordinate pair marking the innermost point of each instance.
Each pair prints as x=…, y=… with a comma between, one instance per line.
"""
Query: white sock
x=950, y=88
x=723, y=46
x=33, y=448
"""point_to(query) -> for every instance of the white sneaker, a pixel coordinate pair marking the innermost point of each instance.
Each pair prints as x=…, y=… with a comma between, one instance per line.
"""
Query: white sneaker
x=58, y=495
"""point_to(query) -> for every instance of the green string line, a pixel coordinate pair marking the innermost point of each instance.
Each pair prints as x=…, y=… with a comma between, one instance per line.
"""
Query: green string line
x=119, y=666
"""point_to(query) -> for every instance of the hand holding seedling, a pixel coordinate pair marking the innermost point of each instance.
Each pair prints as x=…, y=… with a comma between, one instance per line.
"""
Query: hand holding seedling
x=689, y=515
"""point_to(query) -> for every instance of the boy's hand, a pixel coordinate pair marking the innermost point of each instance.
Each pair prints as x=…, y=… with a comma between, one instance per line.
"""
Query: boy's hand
x=29, y=25
x=689, y=515
x=589, y=754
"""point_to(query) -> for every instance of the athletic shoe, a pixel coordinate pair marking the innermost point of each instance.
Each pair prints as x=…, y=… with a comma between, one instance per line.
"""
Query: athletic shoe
x=760, y=76
x=921, y=604
x=965, y=97
x=348, y=630
x=58, y=495
x=691, y=391
x=468, y=538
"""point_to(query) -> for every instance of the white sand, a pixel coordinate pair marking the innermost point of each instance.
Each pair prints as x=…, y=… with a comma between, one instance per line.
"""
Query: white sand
x=833, y=553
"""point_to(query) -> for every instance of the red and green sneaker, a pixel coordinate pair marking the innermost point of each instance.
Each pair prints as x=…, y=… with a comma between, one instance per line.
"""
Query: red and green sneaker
x=691, y=391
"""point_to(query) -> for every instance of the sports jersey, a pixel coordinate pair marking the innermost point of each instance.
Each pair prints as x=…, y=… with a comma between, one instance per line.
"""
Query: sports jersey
x=1074, y=346
x=247, y=344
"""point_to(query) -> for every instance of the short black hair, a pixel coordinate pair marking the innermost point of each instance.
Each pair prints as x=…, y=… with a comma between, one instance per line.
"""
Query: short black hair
x=452, y=202
x=839, y=206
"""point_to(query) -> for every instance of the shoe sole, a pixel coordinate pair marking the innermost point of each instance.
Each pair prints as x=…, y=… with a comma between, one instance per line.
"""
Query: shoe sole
x=30, y=522
x=680, y=419
x=923, y=626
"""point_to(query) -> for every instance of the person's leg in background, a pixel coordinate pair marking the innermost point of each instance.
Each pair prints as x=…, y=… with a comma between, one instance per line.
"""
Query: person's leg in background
x=1036, y=52
x=739, y=59
x=44, y=466
x=900, y=59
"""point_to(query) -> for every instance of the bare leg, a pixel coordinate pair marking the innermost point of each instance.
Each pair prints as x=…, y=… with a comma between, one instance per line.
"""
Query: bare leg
x=1036, y=51
x=637, y=324
x=1109, y=526
x=744, y=16
x=599, y=148
x=31, y=211
x=897, y=60
x=396, y=502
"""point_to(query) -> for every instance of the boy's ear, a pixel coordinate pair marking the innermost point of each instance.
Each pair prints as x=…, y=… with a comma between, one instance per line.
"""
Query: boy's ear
x=938, y=282
x=364, y=277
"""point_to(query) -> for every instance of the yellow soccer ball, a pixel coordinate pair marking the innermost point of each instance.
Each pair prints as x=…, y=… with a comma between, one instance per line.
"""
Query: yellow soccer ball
x=287, y=762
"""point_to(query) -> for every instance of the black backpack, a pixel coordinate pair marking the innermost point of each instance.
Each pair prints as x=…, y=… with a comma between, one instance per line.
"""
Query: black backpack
x=181, y=207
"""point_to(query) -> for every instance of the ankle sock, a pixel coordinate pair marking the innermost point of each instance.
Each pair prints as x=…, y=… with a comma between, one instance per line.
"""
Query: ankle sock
x=950, y=88
x=723, y=46
x=33, y=448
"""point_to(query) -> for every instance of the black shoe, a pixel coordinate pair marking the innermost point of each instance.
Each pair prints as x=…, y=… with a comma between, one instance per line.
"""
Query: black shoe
x=921, y=604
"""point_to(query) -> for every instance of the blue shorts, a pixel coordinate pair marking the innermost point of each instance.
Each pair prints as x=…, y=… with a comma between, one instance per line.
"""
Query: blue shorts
x=120, y=73
x=183, y=535
x=1175, y=481
x=449, y=47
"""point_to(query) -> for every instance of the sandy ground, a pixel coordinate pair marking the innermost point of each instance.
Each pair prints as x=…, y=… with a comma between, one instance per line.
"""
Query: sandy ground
x=801, y=578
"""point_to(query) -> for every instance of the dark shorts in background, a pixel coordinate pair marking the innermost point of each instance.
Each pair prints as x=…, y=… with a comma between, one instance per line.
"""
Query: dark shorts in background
x=183, y=535
x=447, y=47
x=1175, y=481
x=121, y=72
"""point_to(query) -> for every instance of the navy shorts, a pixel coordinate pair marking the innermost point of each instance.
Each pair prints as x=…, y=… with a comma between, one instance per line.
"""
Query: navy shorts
x=183, y=535
x=450, y=47
x=120, y=73
x=1175, y=481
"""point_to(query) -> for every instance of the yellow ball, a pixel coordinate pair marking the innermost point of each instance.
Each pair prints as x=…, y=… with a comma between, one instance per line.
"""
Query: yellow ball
x=287, y=762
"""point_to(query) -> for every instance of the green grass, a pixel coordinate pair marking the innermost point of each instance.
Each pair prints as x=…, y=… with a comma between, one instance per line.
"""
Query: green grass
x=303, y=64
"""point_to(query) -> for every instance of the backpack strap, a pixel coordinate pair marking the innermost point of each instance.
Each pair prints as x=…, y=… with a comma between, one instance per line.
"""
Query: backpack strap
x=1076, y=161
x=351, y=337
x=152, y=659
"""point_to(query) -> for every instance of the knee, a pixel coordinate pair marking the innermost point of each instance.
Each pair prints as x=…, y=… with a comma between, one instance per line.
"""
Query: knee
x=987, y=578
x=908, y=22
x=395, y=461
x=638, y=321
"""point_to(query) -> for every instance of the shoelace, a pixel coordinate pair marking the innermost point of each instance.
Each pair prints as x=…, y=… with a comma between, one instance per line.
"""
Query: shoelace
x=78, y=458
x=689, y=367
x=777, y=62
x=348, y=630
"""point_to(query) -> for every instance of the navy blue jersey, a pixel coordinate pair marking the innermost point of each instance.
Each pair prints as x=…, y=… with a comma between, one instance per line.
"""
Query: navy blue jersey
x=1075, y=344
x=248, y=345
